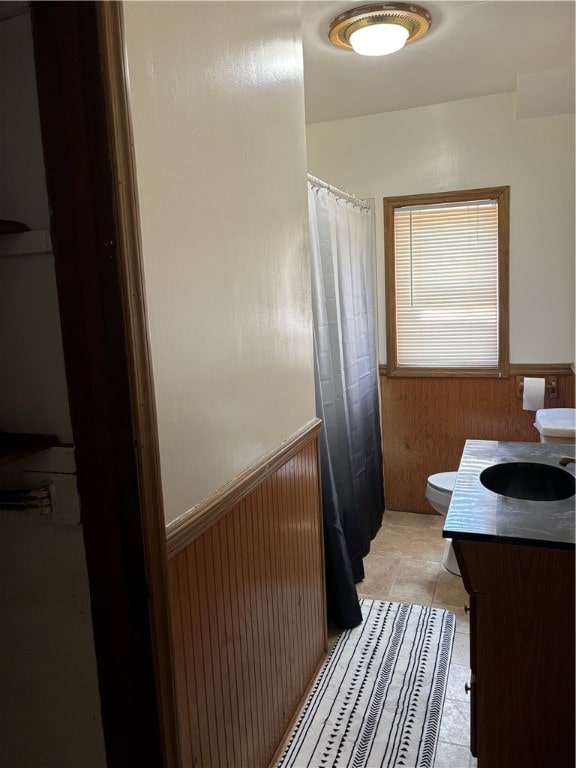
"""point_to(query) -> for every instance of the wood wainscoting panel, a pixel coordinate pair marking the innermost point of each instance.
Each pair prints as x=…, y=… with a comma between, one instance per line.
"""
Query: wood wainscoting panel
x=249, y=621
x=425, y=423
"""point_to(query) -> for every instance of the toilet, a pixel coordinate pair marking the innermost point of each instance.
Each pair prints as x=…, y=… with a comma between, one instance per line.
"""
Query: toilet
x=439, y=492
x=555, y=425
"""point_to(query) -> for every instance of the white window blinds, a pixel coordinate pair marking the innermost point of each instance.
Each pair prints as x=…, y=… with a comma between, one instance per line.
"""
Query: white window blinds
x=446, y=274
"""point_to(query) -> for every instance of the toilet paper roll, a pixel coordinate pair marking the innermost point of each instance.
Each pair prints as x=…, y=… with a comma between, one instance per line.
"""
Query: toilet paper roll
x=533, y=396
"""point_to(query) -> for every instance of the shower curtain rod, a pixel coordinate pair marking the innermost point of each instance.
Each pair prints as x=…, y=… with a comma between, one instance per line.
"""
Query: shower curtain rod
x=338, y=192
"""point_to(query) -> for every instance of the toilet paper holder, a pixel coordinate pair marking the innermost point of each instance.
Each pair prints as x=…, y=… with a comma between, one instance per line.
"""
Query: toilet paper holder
x=551, y=386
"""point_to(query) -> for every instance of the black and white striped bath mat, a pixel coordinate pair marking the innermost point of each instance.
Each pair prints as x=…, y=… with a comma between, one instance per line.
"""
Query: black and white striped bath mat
x=378, y=701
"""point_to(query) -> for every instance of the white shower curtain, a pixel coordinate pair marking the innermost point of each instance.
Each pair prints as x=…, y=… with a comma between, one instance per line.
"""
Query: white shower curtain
x=347, y=398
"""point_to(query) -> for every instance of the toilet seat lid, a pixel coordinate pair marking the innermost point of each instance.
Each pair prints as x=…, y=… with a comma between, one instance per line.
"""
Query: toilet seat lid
x=443, y=481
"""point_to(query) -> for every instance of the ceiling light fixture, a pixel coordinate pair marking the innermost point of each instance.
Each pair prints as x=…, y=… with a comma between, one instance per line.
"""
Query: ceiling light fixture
x=379, y=29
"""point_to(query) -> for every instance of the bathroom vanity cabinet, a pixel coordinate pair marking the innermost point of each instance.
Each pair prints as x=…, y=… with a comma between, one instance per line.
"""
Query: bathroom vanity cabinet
x=521, y=653
x=517, y=563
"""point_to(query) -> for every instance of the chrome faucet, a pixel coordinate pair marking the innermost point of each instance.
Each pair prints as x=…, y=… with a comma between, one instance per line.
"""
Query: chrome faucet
x=565, y=460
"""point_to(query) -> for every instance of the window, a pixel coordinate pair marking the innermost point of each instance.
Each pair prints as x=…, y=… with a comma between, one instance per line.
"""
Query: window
x=447, y=283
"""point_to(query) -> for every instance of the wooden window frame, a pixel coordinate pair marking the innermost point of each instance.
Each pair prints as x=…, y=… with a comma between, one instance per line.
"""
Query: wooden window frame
x=502, y=196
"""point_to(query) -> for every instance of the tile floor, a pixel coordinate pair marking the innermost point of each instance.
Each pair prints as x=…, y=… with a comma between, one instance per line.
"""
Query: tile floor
x=405, y=565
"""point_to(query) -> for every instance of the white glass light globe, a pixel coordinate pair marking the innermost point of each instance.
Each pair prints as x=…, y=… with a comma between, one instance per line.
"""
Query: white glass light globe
x=378, y=39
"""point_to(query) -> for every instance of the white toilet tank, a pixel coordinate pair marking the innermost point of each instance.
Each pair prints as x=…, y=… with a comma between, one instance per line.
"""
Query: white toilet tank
x=556, y=425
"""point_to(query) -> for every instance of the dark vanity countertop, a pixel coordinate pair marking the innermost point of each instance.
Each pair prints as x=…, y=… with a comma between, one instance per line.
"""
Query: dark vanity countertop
x=479, y=514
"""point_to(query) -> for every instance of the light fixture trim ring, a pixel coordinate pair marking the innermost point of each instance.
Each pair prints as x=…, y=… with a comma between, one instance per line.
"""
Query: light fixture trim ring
x=414, y=18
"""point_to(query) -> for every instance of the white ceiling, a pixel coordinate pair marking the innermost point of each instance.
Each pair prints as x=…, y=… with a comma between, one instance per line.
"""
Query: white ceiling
x=474, y=48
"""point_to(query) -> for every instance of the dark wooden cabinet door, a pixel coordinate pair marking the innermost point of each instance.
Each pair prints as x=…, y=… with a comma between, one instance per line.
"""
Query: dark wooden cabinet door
x=522, y=653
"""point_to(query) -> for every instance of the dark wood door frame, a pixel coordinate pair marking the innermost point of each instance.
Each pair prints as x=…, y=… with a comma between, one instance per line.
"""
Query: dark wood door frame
x=94, y=227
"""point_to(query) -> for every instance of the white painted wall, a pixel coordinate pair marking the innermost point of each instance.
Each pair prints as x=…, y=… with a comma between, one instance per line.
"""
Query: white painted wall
x=22, y=198
x=464, y=145
x=49, y=699
x=216, y=94
x=33, y=392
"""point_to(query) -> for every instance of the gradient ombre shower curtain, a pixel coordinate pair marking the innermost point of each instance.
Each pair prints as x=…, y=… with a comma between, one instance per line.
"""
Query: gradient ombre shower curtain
x=347, y=394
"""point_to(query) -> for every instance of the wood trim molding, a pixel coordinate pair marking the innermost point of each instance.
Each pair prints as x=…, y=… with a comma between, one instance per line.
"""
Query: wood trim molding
x=111, y=34
x=446, y=373
x=502, y=194
x=73, y=102
x=541, y=369
x=202, y=516
x=516, y=369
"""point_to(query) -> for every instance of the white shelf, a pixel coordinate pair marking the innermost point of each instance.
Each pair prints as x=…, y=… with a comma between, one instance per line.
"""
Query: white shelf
x=26, y=243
